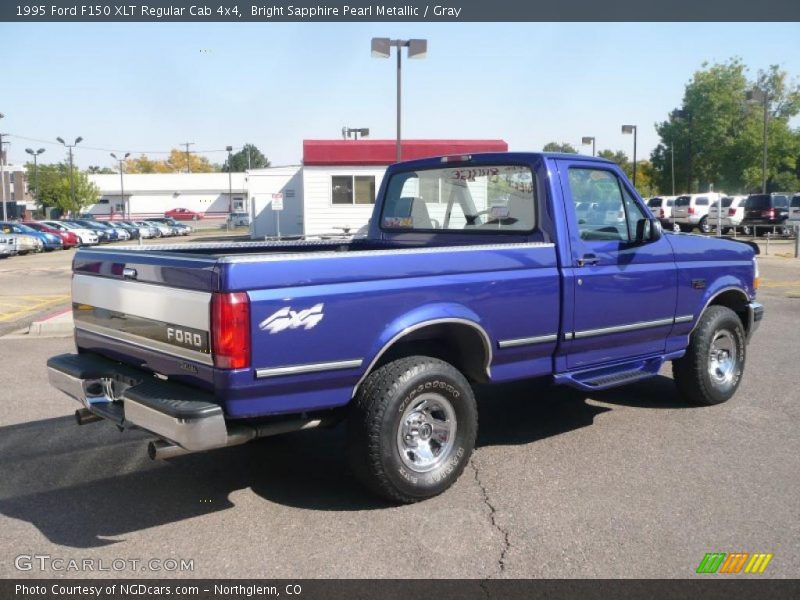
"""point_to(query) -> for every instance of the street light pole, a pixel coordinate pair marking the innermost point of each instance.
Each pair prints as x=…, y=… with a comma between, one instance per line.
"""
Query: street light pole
x=588, y=140
x=3, y=176
x=230, y=181
x=672, y=165
x=759, y=95
x=71, y=168
x=381, y=48
x=36, y=170
x=126, y=206
x=632, y=129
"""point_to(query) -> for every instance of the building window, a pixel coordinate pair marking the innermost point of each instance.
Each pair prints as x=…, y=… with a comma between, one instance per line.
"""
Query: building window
x=349, y=189
x=11, y=177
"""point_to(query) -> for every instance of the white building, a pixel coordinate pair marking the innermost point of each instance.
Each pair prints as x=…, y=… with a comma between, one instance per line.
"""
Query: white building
x=332, y=192
x=152, y=194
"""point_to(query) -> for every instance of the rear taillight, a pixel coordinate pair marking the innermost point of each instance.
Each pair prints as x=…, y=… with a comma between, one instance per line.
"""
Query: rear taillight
x=661, y=213
x=230, y=330
x=770, y=214
x=690, y=210
x=731, y=212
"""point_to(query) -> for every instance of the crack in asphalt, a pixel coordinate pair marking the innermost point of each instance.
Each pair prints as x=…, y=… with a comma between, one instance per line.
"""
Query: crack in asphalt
x=501, y=561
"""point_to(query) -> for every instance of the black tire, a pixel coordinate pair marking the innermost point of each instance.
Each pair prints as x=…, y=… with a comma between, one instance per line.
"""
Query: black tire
x=704, y=226
x=717, y=345
x=402, y=394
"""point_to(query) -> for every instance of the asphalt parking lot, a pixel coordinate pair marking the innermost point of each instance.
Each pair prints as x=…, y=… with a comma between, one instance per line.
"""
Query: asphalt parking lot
x=627, y=483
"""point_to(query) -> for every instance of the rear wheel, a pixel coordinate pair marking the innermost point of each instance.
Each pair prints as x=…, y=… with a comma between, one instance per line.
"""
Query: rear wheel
x=710, y=371
x=704, y=226
x=412, y=428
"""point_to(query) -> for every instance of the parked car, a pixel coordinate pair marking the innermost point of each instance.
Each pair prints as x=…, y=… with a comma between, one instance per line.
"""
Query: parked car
x=162, y=229
x=122, y=232
x=104, y=232
x=25, y=243
x=8, y=246
x=177, y=228
x=49, y=241
x=732, y=214
x=794, y=208
x=132, y=230
x=146, y=230
x=661, y=207
x=68, y=238
x=183, y=214
x=764, y=210
x=239, y=219
x=87, y=237
x=392, y=331
x=691, y=210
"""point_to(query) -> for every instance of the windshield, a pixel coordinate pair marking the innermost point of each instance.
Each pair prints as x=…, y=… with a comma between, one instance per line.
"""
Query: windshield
x=485, y=199
x=683, y=201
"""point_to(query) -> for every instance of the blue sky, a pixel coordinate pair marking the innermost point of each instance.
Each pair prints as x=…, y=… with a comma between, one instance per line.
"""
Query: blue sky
x=151, y=86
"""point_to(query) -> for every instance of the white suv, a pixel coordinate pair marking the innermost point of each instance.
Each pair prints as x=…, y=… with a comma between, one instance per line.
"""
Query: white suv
x=794, y=208
x=732, y=213
x=691, y=210
x=661, y=207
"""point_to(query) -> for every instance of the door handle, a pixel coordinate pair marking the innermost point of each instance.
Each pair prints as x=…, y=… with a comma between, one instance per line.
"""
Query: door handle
x=588, y=259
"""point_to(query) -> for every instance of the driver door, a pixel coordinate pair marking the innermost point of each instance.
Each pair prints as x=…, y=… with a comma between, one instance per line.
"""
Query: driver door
x=624, y=291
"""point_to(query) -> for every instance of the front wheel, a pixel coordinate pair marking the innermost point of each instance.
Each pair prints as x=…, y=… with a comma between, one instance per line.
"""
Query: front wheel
x=711, y=370
x=704, y=226
x=412, y=428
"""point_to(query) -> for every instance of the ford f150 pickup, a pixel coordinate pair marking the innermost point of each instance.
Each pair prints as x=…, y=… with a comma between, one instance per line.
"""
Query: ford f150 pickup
x=476, y=269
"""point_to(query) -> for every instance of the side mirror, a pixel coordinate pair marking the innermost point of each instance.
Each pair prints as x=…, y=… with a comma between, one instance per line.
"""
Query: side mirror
x=647, y=230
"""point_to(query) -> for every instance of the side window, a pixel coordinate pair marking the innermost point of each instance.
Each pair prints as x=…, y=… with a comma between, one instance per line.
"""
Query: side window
x=603, y=207
x=598, y=204
x=701, y=201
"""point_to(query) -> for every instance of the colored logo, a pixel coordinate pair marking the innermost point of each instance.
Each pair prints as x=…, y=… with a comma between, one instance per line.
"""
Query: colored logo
x=734, y=562
x=286, y=318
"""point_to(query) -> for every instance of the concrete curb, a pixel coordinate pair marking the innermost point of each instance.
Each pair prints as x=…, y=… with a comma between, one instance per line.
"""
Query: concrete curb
x=59, y=324
x=25, y=322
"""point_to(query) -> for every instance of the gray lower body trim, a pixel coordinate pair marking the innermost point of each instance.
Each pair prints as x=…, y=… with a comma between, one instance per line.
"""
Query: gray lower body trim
x=684, y=319
x=622, y=328
x=146, y=343
x=309, y=368
x=539, y=339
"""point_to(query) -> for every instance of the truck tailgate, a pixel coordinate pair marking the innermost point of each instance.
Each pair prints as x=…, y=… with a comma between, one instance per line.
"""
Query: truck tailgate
x=151, y=311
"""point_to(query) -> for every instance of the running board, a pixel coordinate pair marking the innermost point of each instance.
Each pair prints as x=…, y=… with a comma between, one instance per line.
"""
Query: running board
x=611, y=376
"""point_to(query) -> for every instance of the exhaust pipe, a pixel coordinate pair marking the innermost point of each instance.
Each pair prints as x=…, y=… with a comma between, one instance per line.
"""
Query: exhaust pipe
x=237, y=435
x=84, y=416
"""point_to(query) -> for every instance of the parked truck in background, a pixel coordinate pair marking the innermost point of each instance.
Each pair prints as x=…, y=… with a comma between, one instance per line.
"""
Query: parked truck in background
x=476, y=269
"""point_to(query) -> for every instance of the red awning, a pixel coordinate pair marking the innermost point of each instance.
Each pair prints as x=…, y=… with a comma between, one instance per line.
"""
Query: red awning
x=383, y=152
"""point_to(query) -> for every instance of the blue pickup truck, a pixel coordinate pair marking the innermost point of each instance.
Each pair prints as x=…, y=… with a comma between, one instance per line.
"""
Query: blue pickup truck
x=476, y=269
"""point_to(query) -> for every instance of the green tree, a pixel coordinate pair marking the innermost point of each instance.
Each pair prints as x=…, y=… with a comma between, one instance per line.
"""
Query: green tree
x=618, y=157
x=562, y=147
x=55, y=188
x=96, y=170
x=716, y=136
x=240, y=161
x=176, y=163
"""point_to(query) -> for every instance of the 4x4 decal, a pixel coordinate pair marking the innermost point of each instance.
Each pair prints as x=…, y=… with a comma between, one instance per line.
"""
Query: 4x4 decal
x=286, y=318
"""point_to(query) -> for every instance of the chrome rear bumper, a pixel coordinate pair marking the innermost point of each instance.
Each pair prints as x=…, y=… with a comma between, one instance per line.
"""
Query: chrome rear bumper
x=129, y=397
